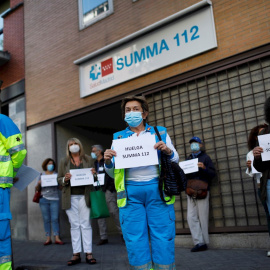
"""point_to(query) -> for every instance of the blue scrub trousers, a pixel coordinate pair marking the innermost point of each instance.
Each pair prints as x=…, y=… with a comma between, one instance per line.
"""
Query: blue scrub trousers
x=5, y=238
x=144, y=216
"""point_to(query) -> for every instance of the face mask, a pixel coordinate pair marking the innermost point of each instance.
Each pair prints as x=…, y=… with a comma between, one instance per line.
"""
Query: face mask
x=195, y=147
x=50, y=167
x=133, y=119
x=93, y=155
x=74, y=148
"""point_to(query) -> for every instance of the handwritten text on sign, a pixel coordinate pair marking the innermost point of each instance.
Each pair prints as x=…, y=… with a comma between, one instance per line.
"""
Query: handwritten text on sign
x=264, y=142
x=49, y=180
x=81, y=177
x=135, y=152
x=189, y=166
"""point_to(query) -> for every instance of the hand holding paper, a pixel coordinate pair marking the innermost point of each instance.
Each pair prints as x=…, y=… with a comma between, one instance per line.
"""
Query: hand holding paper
x=81, y=177
x=135, y=152
x=25, y=175
x=189, y=166
x=264, y=142
x=49, y=180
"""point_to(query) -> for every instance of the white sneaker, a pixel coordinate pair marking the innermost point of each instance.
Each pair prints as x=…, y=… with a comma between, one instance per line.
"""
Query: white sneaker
x=268, y=253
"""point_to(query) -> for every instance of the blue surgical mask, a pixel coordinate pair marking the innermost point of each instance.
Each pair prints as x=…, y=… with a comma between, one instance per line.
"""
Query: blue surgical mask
x=93, y=155
x=195, y=147
x=50, y=167
x=133, y=119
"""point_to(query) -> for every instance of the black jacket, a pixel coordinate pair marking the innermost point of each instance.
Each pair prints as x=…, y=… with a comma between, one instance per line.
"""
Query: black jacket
x=206, y=174
x=108, y=182
x=264, y=168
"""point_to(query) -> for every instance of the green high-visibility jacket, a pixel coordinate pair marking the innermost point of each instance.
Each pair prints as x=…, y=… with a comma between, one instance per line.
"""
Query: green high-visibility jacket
x=12, y=151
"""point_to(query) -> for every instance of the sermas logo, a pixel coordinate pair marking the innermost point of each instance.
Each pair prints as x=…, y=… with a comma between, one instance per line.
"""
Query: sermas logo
x=106, y=67
x=95, y=72
x=101, y=73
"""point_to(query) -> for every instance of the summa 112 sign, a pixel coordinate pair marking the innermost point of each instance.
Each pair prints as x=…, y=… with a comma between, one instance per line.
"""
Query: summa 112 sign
x=186, y=37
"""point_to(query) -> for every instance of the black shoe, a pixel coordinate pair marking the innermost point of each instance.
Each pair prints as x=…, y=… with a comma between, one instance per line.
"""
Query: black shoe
x=73, y=262
x=91, y=260
x=199, y=247
x=102, y=242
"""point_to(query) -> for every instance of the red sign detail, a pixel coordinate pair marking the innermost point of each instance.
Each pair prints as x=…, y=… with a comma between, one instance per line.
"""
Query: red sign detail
x=106, y=67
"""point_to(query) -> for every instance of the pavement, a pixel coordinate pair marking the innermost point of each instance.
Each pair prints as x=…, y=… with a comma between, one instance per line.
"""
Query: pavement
x=33, y=255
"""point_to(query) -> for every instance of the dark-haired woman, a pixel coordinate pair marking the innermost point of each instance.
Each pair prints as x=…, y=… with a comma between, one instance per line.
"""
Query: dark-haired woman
x=49, y=204
x=252, y=143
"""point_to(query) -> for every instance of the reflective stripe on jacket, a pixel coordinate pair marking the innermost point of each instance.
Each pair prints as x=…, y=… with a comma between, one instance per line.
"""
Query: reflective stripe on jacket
x=12, y=151
x=119, y=174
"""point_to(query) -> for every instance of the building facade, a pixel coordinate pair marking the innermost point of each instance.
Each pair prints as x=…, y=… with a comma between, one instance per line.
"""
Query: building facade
x=12, y=86
x=202, y=65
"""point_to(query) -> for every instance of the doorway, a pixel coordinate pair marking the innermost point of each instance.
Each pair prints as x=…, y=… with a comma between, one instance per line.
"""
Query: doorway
x=94, y=127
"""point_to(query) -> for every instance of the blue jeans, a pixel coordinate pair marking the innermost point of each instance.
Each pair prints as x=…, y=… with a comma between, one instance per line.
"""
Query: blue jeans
x=5, y=217
x=146, y=213
x=265, y=210
x=50, y=213
x=268, y=195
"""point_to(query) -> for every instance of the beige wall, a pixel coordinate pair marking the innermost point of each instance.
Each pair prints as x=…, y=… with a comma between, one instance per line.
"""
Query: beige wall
x=53, y=41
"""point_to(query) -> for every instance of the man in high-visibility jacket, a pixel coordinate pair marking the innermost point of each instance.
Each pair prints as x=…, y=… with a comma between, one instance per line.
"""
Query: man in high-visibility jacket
x=12, y=154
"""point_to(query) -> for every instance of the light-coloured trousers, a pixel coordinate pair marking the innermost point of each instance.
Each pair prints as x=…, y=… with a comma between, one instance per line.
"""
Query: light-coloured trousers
x=111, y=199
x=198, y=219
x=80, y=226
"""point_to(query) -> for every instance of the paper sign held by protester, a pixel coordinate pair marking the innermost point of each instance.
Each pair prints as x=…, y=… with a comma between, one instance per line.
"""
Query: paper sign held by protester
x=81, y=177
x=101, y=179
x=49, y=180
x=135, y=152
x=189, y=166
x=264, y=142
x=26, y=175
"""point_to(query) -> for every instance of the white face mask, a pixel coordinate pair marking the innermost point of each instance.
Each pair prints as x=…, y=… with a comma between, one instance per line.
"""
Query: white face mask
x=74, y=148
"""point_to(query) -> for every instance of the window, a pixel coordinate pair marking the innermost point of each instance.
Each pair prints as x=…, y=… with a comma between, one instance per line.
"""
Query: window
x=1, y=39
x=91, y=11
x=220, y=108
x=1, y=32
x=4, y=6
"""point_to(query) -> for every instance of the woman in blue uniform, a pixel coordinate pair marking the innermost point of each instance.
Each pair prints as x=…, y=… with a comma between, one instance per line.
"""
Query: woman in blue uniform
x=142, y=212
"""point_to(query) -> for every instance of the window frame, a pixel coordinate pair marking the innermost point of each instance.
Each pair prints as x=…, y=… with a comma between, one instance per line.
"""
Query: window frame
x=102, y=16
x=2, y=39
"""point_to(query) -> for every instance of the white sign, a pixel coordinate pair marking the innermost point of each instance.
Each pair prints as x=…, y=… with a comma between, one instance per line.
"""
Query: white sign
x=189, y=166
x=26, y=175
x=135, y=152
x=81, y=177
x=101, y=179
x=186, y=37
x=49, y=180
x=264, y=142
